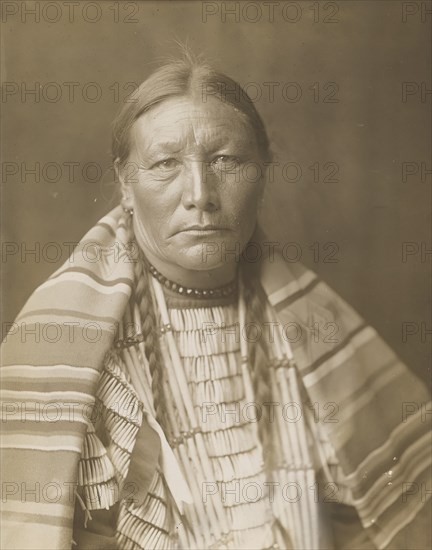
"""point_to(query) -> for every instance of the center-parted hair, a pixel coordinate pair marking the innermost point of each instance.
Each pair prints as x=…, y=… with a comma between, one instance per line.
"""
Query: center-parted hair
x=187, y=77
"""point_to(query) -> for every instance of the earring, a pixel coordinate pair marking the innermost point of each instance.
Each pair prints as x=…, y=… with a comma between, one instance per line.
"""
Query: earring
x=125, y=208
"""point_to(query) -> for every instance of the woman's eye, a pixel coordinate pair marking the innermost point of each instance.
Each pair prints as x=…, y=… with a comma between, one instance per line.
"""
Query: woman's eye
x=166, y=164
x=226, y=162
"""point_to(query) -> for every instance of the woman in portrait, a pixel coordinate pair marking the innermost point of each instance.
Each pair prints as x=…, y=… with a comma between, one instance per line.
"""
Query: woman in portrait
x=165, y=405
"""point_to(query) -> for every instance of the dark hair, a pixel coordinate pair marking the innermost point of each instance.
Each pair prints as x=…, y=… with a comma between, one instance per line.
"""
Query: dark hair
x=184, y=77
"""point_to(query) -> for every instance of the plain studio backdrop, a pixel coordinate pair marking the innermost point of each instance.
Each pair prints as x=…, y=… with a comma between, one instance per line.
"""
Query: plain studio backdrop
x=343, y=90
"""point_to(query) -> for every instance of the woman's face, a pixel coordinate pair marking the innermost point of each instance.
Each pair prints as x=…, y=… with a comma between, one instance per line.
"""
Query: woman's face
x=190, y=182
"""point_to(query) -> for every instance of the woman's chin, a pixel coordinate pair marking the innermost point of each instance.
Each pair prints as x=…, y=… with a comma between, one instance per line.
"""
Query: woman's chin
x=208, y=255
x=199, y=260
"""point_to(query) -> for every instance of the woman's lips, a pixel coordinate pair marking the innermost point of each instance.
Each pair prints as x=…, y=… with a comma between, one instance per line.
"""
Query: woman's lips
x=202, y=229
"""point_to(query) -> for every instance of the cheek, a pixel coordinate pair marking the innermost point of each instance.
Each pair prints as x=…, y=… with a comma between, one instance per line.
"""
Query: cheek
x=151, y=217
x=243, y=200
x=152, y=203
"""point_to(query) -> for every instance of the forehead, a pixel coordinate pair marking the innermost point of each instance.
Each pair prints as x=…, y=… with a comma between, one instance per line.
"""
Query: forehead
x=191, y=122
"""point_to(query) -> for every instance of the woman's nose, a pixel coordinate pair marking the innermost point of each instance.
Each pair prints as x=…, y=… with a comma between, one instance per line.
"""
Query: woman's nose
x=200, y=188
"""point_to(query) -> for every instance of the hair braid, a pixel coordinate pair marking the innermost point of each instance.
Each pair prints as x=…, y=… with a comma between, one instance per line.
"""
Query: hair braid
x=260, y=367
x=143, y=298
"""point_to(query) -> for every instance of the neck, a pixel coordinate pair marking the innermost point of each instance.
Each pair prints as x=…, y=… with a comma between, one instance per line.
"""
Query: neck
x=192, y=278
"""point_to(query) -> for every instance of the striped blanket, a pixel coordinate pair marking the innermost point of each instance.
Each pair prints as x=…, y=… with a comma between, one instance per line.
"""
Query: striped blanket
x=372, y=408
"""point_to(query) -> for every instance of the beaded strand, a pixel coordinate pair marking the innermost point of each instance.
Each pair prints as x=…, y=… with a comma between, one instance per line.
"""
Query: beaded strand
x=218, y=292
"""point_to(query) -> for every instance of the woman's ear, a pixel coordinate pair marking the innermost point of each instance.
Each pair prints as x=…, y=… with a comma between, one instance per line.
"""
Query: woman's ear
x=125, y=186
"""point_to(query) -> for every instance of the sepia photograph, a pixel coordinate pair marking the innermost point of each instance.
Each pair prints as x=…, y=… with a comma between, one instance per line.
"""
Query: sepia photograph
x=216, y=242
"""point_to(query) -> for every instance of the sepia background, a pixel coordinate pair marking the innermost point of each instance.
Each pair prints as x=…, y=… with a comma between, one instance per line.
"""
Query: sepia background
x=356, y=111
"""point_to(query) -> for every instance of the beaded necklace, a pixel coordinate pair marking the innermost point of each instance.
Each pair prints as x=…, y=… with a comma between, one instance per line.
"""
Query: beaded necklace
x=219, y=292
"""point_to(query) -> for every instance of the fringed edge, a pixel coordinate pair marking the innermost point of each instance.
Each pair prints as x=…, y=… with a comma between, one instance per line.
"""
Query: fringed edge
x=96, y=474
x=135, y=532
x=101, y=495
x=116, y=392
x=102, y=470
x=190, y=318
